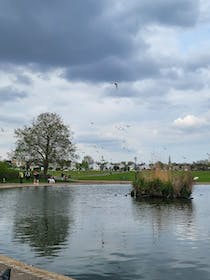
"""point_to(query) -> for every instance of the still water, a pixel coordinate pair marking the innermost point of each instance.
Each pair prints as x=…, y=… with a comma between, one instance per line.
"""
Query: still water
x=99, y=232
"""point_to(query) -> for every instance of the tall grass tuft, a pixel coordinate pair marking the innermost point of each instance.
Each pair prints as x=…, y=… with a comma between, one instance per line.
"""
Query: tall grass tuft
x=163, y=183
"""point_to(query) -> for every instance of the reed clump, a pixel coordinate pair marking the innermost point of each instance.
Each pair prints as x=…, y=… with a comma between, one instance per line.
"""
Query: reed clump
x=163, y=183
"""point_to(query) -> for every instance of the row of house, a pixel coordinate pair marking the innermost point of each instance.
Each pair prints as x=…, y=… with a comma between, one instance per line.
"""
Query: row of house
x=118, y=166
x=92, y=165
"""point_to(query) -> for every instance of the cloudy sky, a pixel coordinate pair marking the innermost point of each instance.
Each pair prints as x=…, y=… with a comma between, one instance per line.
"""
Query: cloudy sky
x=65, y=56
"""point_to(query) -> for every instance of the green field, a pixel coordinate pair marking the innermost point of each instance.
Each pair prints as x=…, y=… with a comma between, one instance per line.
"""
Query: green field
x=204, y=176
x=97, y=175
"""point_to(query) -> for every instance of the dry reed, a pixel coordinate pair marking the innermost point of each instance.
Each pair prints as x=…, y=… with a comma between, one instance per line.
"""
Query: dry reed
x=163, y=183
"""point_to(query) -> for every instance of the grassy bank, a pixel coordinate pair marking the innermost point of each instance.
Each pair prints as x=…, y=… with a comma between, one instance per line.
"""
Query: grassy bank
x=204, y=176
x=124, y=176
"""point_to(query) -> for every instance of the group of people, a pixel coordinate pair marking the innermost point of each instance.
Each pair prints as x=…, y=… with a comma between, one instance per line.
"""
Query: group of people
x=36, y=177
x=27, y=176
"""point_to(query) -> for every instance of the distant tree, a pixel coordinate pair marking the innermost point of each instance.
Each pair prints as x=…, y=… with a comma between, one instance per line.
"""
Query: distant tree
x=47, y=140
x=78, y=166
x=64, y=163
x=88, y=159
x=84, y=165
x=86, y=162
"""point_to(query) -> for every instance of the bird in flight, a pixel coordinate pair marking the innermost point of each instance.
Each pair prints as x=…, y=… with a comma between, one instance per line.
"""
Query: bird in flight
x=116, y=85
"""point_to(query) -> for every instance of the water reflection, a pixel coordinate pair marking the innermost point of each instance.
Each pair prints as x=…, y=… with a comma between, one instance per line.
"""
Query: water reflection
x=162, y=215
x=97, y=232
x=43, y=220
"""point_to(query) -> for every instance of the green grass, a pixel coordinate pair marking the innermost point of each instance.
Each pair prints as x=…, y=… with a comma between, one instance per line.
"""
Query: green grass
x=97, y=175
x=124, y=176
x=204, y=176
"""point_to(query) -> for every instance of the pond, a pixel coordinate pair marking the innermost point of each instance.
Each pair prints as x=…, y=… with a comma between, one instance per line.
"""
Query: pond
x=99, y=232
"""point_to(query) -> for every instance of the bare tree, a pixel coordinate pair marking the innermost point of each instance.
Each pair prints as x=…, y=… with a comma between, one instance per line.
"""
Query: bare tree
x=47, y=140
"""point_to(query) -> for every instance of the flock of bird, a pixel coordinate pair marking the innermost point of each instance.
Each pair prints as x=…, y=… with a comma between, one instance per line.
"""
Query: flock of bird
x=120, y=130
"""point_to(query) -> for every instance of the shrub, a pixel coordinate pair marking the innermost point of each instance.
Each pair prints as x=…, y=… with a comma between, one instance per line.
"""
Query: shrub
x=163, y=183
x=7, y=173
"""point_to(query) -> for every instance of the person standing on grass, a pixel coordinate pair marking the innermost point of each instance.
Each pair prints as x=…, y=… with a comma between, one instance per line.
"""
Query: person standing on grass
x=36, y=178
x=21, y=176
x=27, y=175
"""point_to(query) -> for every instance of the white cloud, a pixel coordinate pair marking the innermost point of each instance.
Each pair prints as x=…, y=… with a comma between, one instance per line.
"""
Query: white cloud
x=190, y=121
x=204, y=10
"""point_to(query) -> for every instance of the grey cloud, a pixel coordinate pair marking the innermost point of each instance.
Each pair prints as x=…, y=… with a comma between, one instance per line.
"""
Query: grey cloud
x=198, y=61
x=97, y=140
x=12, y=119
x=57, y=34
x=99, y=143
x=192, y=130
x=112, y=69
x=8, y=94
x=156, y=88
x=178, y=13
x=91, y=38
x=23, y=79
x=185, y=80
x=123, y=91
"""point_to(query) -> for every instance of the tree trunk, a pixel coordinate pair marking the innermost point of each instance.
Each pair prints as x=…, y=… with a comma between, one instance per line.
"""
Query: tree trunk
x=46, y=165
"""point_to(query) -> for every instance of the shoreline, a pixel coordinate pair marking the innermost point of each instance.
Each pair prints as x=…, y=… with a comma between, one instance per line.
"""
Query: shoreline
x=78, y=182
x=22, y=271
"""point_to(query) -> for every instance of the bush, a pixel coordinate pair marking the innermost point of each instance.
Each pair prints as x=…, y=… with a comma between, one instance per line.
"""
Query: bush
x=163, y=183
x=7, y=173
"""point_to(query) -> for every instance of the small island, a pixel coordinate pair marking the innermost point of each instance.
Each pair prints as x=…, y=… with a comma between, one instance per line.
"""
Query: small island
x=159, y=183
